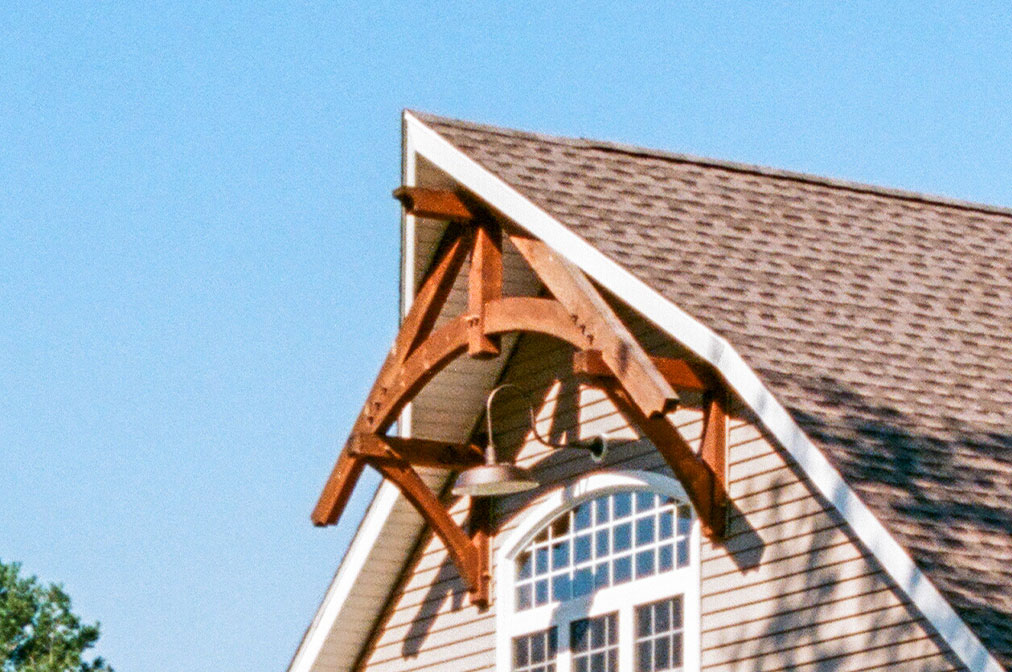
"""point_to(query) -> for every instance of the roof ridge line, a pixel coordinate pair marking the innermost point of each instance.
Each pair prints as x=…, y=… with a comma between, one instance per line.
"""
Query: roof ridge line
x=727, y=164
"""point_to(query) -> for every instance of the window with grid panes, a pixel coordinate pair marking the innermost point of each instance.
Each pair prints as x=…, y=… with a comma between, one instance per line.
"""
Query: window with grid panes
x=593, y=576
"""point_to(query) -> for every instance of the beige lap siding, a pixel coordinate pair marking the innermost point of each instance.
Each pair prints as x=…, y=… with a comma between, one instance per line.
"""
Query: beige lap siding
x=789, y=589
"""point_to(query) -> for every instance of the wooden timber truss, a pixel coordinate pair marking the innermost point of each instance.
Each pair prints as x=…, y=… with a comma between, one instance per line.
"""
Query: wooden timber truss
x=607, y=355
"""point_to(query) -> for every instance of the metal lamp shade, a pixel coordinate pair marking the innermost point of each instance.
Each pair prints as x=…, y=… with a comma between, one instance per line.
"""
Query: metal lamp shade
x=489, y=480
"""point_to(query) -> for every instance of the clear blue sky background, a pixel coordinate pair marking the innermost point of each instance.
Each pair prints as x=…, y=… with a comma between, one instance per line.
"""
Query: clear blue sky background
x=198, y=248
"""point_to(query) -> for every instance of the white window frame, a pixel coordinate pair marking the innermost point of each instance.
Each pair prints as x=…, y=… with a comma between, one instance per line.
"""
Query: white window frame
x=624, y=598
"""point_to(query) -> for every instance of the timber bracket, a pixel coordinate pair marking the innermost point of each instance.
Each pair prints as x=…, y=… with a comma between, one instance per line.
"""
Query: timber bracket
x=606, y=354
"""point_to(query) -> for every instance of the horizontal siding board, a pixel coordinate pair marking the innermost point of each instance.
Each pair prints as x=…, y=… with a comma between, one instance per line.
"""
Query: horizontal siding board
x=866, y=590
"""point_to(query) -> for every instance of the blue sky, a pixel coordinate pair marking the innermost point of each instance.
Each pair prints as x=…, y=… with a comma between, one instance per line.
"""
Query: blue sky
x=198, y=248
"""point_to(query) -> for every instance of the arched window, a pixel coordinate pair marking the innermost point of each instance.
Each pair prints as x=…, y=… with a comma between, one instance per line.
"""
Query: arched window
x=602, y=576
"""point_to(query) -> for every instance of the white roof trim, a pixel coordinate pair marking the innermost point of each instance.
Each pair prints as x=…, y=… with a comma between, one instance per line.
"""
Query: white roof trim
x=332, y=607
x=718, y=352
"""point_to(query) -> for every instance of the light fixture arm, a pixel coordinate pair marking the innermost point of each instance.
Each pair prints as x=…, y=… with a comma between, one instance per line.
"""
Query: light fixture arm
x=597, y=446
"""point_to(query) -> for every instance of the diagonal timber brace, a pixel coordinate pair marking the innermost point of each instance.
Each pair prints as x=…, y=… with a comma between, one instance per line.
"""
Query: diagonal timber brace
x=642, y=387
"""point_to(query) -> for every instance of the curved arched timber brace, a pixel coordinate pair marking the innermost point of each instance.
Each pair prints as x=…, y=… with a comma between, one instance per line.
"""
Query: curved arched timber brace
x=607, y=355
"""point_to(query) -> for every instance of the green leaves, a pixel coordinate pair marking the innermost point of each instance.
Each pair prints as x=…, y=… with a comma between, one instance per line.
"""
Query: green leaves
x=38, y=631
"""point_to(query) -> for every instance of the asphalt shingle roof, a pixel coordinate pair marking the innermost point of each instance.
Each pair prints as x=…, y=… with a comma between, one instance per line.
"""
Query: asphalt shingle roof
x=881, y=319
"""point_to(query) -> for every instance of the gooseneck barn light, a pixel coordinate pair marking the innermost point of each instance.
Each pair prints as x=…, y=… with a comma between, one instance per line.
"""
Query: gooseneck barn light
x=494, y=478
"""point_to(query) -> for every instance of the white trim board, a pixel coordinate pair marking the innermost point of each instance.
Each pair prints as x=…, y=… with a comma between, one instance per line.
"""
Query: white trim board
x=706, y=344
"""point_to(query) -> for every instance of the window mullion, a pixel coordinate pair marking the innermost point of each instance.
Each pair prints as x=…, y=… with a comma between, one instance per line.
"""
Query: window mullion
x=626, y=637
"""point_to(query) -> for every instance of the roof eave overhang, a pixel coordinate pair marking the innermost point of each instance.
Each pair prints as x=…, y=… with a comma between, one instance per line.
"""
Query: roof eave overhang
x=421, y=140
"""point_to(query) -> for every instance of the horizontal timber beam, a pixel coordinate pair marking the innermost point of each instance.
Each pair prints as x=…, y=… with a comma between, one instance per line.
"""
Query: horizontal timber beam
x=441, y=204
x=416, y=452
x=675, y=371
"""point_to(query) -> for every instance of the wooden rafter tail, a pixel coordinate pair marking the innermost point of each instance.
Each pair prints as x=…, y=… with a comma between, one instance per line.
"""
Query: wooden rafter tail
x=461, y=548
x=713, y=452
x=602, y=327
x=415, y=327
x=441, y=204
x=416, y=452
x=677, y=372
x=337, y=489
x=480, y=528
x=484, y=285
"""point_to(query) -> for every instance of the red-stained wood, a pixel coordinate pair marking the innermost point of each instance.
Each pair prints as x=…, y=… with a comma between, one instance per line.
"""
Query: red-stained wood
x=416, y=452
x=416, y=326
x=529, y=314
x=484, y=285
x=602, y=328
x=713, y=452
x=480, y=529
x=676, y=371
x=459, y=545
x=441, y=204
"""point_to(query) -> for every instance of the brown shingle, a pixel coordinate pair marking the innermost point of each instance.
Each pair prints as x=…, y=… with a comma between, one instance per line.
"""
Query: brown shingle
x=881, y=319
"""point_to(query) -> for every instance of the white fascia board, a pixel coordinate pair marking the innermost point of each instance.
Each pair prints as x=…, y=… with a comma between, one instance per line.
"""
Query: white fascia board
x=718, y=352
x=332, y=609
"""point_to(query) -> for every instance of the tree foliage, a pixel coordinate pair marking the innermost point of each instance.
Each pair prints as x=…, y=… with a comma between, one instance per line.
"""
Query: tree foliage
x=38, y=631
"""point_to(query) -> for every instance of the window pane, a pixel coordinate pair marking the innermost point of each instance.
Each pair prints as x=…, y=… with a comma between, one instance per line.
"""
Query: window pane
x=665, y=559
x=583, y=582
x=582, y=516
x=541, y=565
x=684, y=519
x=524, y=565
x=645, y=530
x=662, y=616
x=623, y=537
x=667, y=525
x=560, y=527
x=644, y=563
x=623, y=504
x=644, y=501
x=603, y=547
x=541, y=592
x=560, y=555
x=520, y=652
x=560, y=588
x=644, y=657
x=622, y=570
x=579, y=635
x=644, y=622
x=581, y=548
x=662, y=653
x=601, y=575
x=524, y=597
x=683, y=552
x=538, y=649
